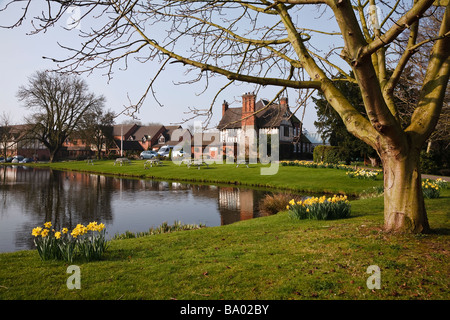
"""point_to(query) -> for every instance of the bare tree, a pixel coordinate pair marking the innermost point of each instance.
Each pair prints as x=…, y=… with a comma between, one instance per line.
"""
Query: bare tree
x=270, y=43
x=96, y=128
x=6, y=134
x=59, y=102
x=408, y=91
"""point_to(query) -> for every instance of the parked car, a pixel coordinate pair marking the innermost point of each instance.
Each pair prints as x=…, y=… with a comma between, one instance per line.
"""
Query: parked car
x=149, y=154
x=164, y=151
x=26, y=160
x=9, y=159
x=17, y=159
x=2, y=160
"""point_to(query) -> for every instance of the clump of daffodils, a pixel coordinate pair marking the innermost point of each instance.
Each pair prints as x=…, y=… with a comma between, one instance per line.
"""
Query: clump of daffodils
x=363, y=174
x=83, y=241
x=432, y=189
x=320, y=208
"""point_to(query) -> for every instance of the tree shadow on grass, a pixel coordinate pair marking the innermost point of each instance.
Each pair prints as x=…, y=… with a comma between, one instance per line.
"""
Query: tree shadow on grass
x=440, y=231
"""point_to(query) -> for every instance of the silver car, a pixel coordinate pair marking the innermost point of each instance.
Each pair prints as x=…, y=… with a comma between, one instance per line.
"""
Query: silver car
x=149, y=154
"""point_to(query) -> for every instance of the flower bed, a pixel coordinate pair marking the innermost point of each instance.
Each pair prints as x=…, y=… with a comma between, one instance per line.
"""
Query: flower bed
x=310, y=164
x=87, y=242
x=323, y=208
x=432, y=189
x=363, y=174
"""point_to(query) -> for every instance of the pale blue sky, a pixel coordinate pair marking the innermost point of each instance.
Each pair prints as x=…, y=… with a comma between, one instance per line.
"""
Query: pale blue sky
x=21, y=56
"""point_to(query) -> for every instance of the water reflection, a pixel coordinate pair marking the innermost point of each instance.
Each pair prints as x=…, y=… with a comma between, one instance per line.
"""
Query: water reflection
x=31, y=196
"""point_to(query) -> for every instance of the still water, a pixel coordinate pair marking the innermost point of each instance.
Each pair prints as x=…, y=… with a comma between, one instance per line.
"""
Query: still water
x=30, y=196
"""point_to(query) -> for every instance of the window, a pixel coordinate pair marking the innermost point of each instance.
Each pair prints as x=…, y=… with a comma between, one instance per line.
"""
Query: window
x=286, y=131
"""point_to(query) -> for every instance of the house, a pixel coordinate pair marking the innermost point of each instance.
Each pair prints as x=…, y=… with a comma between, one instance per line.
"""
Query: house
x=14, y=141
x=135, y=138
x=260, y=117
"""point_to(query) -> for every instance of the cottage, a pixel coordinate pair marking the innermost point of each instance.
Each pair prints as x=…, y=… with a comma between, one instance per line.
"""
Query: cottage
x=262, y=117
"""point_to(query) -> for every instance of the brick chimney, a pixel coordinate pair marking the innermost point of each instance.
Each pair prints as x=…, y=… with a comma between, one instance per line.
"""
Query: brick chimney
x=284, y=101
x=248, y=108
x=224, y=107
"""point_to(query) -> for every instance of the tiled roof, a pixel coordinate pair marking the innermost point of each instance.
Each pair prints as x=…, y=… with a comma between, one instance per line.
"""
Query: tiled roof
x=148, y=131
x=117, y=129
x=267, y=117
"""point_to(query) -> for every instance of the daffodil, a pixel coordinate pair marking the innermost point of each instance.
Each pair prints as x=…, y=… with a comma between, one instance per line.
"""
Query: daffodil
x=44, y=233
x=48, y=224
x=36, y=231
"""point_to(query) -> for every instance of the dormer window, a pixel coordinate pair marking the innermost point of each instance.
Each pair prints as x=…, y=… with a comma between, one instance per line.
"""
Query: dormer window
x=161, y=139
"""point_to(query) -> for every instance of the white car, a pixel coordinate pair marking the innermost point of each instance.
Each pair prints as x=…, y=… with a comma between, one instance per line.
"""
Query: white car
x=164, y=151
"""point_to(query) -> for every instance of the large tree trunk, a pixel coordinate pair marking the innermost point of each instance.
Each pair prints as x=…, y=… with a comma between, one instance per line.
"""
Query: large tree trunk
x=53, y=153
x=404, y=207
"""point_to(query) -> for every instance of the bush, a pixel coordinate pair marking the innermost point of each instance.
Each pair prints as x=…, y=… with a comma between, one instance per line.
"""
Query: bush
x=272, y=204
x=327, y=154
x=323, y=208
x=429, y=163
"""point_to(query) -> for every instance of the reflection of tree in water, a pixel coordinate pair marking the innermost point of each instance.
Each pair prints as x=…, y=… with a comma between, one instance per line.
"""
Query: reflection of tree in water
x=77, y=198
x=69, y=198
x=64, y=198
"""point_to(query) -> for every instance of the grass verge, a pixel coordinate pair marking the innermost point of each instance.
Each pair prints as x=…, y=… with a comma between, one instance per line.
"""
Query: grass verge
x=265, y=258
x=297, y=179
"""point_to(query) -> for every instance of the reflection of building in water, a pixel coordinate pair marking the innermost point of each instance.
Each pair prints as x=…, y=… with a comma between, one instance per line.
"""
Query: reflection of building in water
x=237, y=204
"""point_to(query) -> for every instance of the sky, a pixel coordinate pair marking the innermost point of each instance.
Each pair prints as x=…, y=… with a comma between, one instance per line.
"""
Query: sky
x=22, y=54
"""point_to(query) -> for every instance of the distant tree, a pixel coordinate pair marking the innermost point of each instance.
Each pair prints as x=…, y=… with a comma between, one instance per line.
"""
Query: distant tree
x=332, y=128
x=5, y=132
x=59, y=101
x=96, y=128
x=408, y=91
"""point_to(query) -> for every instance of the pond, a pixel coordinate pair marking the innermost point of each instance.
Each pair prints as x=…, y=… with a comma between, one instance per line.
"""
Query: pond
x=31, y=196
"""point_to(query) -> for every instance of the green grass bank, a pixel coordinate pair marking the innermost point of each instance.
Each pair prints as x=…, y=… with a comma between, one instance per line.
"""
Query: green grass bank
x=274, y=258
x=265, y=258
x=296, y=179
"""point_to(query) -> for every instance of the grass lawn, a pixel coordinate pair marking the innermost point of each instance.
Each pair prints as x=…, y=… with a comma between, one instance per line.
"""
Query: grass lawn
x=292, y=178
x=273, y=258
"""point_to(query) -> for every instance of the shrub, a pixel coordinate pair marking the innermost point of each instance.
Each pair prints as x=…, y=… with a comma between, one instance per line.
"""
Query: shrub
x=272, y=204
x=429, y=163
x=327, y=154
x=323, y=208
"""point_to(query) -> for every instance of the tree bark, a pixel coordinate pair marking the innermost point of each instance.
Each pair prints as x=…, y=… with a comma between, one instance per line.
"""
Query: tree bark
x=404, y=206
